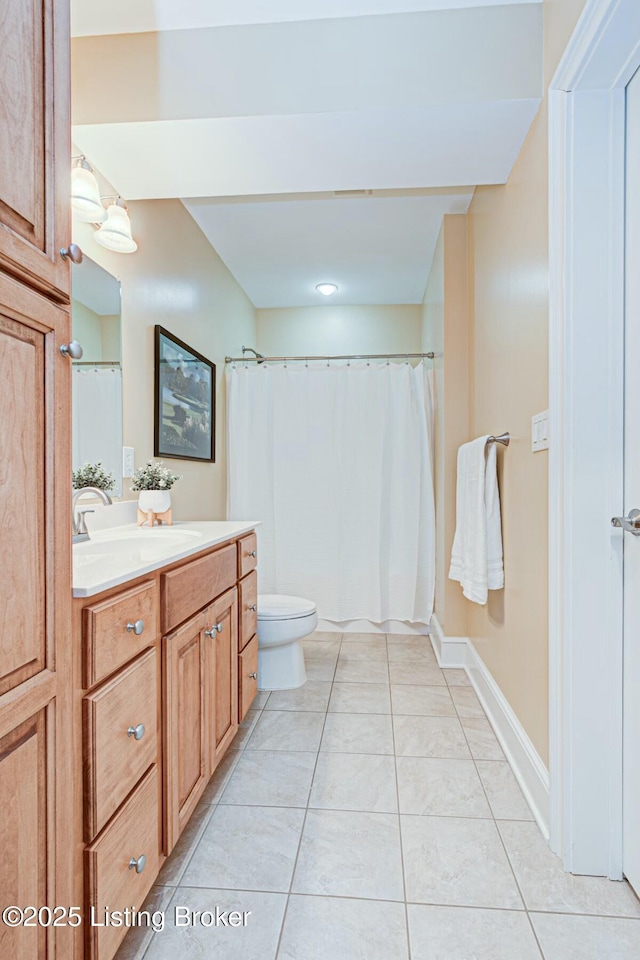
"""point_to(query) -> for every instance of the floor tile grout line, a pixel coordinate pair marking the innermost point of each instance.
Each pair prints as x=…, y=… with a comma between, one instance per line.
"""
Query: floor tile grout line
x=395, y=767
x=304, y=821
x=503, y=845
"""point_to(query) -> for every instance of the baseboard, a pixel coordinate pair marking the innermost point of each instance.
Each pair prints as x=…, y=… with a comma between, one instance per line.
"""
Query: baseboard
x=528, y=768
x=368, y=626
x=449, y=651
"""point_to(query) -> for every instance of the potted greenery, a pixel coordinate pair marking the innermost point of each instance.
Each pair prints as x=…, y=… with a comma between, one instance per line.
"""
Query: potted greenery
x=152, y=483
x=92, y=475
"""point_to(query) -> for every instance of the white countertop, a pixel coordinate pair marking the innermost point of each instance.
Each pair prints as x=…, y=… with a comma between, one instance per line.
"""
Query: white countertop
x=115, y=555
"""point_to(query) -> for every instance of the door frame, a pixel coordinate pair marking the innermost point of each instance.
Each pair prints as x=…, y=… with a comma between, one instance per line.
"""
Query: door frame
x=586, y=457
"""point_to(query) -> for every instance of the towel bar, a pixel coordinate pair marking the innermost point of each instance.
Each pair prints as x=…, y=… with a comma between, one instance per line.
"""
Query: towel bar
x=504, y=439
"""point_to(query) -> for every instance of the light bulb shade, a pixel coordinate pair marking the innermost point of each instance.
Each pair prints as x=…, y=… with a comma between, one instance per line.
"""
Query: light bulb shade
x=326, y=289
x=115, y=232
x=85, y=195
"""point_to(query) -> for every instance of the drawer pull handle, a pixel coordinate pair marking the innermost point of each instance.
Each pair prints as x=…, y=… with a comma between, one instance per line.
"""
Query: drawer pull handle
x=253, y=553
x=136, y=732
x=253, y=676
x=253, y=607
x=216, y=628
x=138, y=863
x=136, y=627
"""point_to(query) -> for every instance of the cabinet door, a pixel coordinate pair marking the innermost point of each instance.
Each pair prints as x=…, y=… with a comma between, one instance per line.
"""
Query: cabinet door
x=185, y=740
x=34, y=134
x=36, y=756
x=222, y=675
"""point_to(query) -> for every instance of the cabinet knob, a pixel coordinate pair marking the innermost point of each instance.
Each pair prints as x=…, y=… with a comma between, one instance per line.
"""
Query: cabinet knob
x=73, y=350
x=138, y=863
x=253, y=676
x=136, y=627
x=72, y=252
x=136, y=732
x=253, y=607
x=253, y=553
x=216, y=628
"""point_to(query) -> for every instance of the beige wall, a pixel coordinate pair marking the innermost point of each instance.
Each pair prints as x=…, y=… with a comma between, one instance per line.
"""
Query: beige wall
x=86, y=328
x=445, y=329
x=298, y=331
x=175, y=279
x=508, y=270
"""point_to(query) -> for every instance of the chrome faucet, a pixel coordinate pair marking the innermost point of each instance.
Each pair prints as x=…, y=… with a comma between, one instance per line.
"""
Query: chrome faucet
x=78, y=521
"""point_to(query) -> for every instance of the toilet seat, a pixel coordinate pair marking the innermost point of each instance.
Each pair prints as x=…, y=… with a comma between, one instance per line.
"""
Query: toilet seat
x=273, y=606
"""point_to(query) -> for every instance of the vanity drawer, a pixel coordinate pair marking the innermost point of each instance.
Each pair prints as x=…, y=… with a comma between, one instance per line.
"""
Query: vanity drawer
x=117, y=629
x=189, y=588
x=124, y=708
x=247, y=554
x=111, y=879
x=247, y=677
x=248, y=596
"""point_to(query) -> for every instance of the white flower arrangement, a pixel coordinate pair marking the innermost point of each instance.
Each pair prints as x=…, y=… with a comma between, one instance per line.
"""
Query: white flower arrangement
x=153, y=476
x=92, y=475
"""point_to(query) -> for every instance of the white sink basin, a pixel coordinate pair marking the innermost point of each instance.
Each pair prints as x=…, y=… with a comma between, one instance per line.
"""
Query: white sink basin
x=143, y=536
x=143, y=543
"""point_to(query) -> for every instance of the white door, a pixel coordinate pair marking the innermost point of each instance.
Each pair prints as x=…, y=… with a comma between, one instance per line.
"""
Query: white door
x=631, y=761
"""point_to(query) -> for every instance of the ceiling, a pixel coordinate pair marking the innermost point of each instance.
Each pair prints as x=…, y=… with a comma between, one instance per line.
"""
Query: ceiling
x=377, y=249
x=221, y=100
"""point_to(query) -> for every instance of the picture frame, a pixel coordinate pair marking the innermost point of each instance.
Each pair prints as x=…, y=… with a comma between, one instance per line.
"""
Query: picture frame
x=185, y=401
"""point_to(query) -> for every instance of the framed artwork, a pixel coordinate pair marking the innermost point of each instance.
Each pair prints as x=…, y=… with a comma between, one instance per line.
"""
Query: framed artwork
x=185, y=398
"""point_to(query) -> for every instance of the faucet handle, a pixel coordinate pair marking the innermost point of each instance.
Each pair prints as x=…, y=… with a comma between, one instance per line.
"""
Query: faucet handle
x=82, y=523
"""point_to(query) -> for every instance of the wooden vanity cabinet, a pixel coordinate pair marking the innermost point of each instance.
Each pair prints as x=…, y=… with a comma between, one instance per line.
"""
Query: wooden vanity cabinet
x=167, y=668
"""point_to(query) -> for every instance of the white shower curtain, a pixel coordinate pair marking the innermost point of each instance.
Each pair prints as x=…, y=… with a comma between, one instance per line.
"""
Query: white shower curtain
x=336, y=462
x=97, y=419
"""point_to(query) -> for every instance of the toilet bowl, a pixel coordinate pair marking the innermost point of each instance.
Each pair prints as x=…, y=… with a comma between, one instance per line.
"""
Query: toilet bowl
x=282, y=623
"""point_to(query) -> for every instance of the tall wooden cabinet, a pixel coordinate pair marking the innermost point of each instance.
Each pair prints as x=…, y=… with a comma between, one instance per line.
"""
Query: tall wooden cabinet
x=36, y=757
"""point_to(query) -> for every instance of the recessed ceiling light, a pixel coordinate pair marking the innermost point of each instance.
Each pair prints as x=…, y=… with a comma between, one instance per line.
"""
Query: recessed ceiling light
x=326, y=289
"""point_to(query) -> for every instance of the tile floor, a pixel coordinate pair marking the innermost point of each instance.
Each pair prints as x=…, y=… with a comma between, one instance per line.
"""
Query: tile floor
x=371, y=815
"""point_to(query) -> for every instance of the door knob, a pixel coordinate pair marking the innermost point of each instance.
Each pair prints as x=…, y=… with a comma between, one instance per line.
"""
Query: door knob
x=73, y=350
x=630, y=524
x=139, y=863
x=253, y=553
x=72, y=252
x=253, y=676
x=253, y=607
x=136, y=627
x=216, y=628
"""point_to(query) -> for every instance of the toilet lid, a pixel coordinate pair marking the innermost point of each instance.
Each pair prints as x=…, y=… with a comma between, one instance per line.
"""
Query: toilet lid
x=272, y=606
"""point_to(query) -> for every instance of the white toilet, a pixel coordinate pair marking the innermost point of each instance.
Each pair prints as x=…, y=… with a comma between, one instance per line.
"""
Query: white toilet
x=282, y=623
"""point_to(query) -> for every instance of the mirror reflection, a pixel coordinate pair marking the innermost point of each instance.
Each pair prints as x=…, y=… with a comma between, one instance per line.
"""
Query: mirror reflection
x=97, y=378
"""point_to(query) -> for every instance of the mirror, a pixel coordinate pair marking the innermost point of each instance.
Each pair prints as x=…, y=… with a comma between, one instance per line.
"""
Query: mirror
x=97, y=378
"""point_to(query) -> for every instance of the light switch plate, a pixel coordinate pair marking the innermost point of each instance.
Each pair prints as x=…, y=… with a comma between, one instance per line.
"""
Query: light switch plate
x=128, y=461
x=540, y=431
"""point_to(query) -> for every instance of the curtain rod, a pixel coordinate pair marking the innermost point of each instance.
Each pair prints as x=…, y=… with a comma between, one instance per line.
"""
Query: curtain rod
x=96, y=363
x=361, y=356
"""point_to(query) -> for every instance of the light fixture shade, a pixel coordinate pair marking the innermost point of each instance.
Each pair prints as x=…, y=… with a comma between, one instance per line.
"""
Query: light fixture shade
x=326, y=289
x=115, y=232
x=85, y=194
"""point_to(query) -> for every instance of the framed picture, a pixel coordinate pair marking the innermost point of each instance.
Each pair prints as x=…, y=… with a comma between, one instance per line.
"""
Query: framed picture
x=185, y=401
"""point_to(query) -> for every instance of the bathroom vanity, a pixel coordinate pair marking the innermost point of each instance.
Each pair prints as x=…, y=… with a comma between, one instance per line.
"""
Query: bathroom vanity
x=165, y=667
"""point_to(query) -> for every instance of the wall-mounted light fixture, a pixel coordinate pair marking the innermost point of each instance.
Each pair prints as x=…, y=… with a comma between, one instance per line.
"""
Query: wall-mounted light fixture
x=109, y=214
x=85, y=193
x=326, y=289
x=115, y=233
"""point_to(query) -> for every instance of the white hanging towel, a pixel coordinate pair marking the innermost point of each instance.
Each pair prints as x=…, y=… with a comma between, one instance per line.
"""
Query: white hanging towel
x=476, y=557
